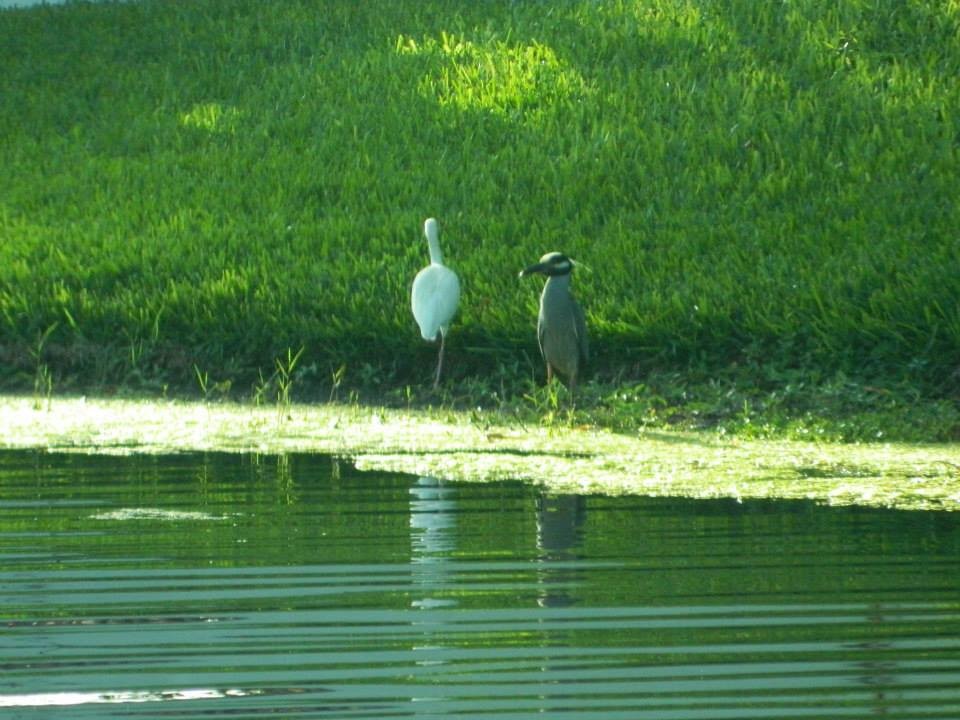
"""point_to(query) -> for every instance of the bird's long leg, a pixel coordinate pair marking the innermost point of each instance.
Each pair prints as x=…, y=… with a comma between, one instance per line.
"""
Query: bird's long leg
x=549, y=373
x=436, y=380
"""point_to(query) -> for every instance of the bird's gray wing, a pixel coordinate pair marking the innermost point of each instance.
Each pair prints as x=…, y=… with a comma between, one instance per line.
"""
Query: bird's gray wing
x=580, y=327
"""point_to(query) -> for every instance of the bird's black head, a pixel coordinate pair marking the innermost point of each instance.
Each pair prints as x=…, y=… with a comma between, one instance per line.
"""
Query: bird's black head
x=552, y=264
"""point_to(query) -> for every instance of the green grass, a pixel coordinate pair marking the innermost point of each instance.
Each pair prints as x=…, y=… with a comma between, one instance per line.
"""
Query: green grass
x=765, y=195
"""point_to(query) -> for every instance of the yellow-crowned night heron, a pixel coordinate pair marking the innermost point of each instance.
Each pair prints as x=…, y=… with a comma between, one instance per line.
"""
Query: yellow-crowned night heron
x=435, y=295
x=561, y=327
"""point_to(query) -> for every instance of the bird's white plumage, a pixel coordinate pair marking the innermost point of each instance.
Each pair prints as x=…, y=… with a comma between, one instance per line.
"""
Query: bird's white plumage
x=435, y=296
x=436, y=290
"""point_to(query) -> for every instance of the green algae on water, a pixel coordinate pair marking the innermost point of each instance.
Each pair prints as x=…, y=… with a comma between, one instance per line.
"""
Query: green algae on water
x=581, y=460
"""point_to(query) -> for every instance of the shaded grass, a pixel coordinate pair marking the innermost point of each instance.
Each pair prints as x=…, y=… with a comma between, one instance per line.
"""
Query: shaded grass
x=765, y=193
x=796, y=405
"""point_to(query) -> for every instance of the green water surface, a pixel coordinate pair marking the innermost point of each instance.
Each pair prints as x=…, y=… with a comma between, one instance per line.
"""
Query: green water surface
x=211, y=585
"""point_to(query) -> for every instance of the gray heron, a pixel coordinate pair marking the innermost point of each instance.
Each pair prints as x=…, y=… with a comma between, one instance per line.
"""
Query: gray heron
x=561, y=327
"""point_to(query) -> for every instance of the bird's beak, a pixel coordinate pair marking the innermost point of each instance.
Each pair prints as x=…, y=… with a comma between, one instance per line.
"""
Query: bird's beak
x=538, y=268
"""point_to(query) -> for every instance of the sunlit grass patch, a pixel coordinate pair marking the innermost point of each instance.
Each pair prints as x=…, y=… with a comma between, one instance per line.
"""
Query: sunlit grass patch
x=493, y=75
x=212, y=117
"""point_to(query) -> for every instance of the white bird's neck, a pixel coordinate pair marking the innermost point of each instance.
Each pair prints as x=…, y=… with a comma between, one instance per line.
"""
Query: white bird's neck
x=433, y=241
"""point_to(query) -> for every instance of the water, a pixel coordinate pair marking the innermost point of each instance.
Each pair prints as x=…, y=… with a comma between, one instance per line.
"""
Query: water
x=28, y=3
x=207, y=586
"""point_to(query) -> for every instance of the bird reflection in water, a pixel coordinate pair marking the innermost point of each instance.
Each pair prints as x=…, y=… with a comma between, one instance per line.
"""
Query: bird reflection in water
x=432, y=521
x=560, y=521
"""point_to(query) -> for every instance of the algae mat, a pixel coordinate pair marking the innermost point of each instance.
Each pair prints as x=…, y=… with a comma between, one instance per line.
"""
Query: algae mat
x=455, y=446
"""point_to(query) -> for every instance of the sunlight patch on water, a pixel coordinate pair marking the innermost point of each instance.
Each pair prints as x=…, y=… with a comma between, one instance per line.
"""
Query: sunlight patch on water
x=63, y=699
x=156, y=514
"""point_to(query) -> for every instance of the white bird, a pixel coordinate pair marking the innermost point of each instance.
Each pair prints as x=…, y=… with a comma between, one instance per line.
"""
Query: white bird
x=435, y=295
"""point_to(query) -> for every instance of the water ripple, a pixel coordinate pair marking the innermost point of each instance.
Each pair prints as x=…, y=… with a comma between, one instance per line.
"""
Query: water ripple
x=320, y=592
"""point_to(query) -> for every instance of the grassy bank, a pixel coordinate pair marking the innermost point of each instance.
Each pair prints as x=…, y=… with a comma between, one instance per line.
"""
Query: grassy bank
x=764, y=195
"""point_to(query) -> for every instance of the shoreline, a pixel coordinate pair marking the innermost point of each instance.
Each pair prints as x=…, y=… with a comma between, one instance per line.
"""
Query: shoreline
x=450, y=445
